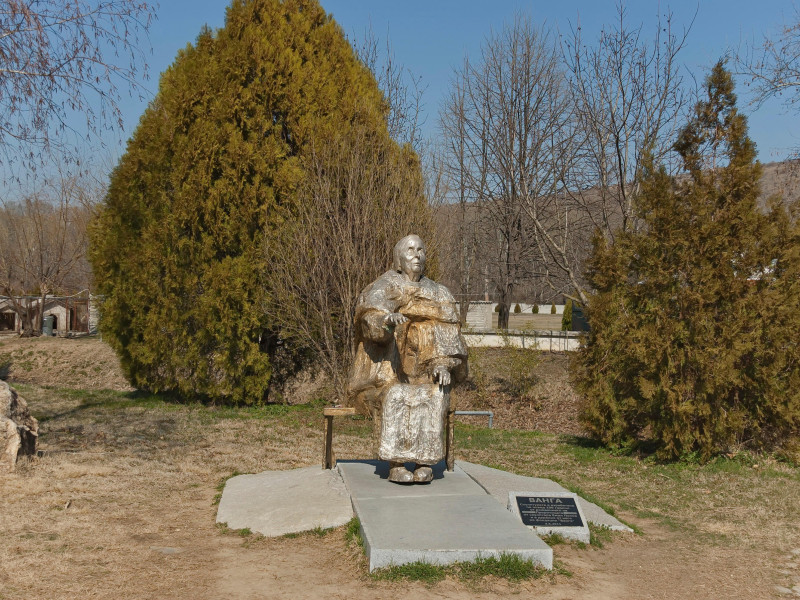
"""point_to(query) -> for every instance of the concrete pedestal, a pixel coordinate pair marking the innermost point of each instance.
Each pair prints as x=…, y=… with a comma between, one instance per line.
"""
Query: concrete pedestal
x=448, y=520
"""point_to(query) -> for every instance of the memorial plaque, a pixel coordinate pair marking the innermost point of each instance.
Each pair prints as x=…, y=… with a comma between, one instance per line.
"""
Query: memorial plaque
x=550, y=512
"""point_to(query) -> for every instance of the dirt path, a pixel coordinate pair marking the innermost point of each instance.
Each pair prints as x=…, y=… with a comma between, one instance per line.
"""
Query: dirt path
x=632, y=567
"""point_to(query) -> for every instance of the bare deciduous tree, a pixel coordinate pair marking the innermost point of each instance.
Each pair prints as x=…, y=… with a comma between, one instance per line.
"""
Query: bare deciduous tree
x=549, y=144
x=362, y=191
x=462, y=232
x=43, y=239
x=505, y=122
x=628, y=98
x=359, y=199
x=773, y=66
x=63, y=58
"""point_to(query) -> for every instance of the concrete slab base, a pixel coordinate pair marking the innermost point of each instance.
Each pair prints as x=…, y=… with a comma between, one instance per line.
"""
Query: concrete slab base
x=499, y=483
x=450, y=519
x=275, y=503
x=459, y=516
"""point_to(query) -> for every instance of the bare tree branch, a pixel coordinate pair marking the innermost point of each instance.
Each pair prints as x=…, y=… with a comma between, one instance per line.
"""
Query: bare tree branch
x=43, y=241
x=548, y=144
x=773, y=66
x=360, y=197
x=59, y=58
x=402, y=90
x=507, y=124
x=628, y=98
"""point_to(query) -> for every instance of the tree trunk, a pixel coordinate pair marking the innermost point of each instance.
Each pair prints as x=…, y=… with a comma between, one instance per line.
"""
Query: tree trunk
x=28, y=330
x=502, y=316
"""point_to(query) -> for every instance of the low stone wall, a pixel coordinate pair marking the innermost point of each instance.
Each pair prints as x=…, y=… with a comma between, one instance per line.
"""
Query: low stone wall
x=551, y=341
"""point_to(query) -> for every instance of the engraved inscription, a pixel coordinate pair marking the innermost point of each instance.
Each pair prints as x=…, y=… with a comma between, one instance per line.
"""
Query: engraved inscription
x=549, y=511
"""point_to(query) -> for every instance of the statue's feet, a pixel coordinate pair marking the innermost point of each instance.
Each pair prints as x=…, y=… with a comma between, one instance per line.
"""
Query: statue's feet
x=423, y=474
x=399, y=474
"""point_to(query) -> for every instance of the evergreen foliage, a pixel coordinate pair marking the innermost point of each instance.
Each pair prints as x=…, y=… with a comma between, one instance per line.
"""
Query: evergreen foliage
x=553, y=308
x=210, y=177
x=535, y=309
x=566, y=317
x=517, y=309
x=693, y=328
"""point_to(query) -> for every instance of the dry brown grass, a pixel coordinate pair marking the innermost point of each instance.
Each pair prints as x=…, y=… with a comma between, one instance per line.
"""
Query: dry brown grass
x=79, y=363
x=120, y=478
x=126, y=478
x=549, y=405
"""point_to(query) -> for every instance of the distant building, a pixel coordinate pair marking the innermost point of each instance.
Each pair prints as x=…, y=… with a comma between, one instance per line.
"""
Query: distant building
x=71, y=314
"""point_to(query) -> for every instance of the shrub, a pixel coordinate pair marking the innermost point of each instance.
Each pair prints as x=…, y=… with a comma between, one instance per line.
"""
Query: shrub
x=566, y=318
x=477, y=375
x=521, y=366
x=553, y=308
x=535, y=309
x=517, y=309
x=693, y=327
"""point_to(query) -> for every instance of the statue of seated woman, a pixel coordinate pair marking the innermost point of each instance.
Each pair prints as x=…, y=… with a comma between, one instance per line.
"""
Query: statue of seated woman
x=409, y=350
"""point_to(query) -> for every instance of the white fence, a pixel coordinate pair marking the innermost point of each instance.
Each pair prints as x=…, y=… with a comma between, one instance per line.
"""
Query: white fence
x=551, y=341
x=480, y=313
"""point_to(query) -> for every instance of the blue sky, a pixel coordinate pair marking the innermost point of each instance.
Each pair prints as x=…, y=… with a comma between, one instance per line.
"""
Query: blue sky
x=431, y=37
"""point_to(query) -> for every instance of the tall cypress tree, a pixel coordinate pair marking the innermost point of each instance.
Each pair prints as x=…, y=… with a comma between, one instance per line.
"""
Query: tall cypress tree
x=209, y=177
x=686, y=347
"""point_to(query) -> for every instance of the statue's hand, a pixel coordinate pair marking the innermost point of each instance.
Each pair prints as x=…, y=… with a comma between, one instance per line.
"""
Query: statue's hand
x=393, y=319
x=442, y=375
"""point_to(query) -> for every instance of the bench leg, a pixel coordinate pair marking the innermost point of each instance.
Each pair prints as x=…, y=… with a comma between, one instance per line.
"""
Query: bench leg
x=450, y=457
x=328, y=457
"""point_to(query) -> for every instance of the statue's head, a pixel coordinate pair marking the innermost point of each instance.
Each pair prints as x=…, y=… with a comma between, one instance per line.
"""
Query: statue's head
x=409, y=257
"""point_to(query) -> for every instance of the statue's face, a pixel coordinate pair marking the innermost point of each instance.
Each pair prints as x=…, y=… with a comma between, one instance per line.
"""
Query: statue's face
x=412, y=258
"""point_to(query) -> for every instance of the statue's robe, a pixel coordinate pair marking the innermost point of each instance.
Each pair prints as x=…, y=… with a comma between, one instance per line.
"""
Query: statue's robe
x=392, y=376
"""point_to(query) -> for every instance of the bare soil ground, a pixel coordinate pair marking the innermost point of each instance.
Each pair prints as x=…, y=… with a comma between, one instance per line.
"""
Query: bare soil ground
x=120, y=504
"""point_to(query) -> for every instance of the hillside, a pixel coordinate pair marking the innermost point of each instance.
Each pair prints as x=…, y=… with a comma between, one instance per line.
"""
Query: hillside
x=779, y=179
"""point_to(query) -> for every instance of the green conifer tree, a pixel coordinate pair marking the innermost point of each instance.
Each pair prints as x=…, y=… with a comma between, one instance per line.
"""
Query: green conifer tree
x=684, y=347
x=210, y=176
x=566, y=317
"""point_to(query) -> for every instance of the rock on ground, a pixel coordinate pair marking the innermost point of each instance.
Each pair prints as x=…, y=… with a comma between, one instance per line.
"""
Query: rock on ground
x=19, y=431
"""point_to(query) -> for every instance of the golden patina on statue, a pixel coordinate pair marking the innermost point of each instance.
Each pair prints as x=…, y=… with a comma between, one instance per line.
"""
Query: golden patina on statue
x=409, y=351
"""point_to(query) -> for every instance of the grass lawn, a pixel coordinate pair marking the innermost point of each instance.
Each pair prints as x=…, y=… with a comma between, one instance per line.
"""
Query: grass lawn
x=125, y=478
